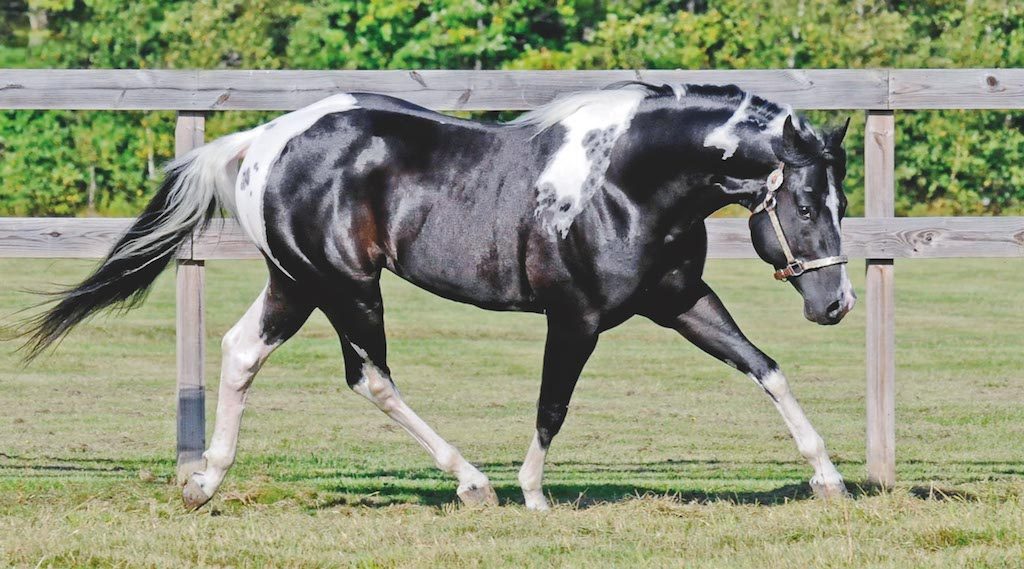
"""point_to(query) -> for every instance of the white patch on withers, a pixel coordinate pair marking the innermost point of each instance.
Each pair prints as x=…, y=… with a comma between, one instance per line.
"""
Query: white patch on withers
x=774, y=128
x=724, y=137
x=593, y=123
x=264, y=152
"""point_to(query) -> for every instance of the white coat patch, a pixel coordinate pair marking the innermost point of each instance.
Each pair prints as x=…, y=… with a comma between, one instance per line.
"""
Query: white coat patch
x=832, y=203
x=724, y=137
x=775, y=127
x=577, y=170
x=263, y=153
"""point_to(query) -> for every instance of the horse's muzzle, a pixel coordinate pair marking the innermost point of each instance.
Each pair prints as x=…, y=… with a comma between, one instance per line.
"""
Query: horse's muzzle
x=835, y=311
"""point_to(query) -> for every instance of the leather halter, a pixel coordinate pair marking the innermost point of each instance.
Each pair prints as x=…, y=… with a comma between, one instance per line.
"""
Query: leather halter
x=794, y=267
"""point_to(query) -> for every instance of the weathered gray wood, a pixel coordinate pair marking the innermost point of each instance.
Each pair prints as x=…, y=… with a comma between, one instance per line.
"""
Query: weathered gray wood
x=436, y=89
x=892, y=238
x=880, y=336
x=134, y=89
x=191, y=328
x=879, y=203
x=225, y=239
x=956, y=89
x=59, y=237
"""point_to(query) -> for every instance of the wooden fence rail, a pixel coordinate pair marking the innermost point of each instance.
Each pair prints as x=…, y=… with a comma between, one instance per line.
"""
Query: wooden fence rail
x=728, y=238
x=879, y=238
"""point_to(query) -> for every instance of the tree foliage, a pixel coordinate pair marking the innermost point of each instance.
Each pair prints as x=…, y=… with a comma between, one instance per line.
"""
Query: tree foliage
x=955, y=162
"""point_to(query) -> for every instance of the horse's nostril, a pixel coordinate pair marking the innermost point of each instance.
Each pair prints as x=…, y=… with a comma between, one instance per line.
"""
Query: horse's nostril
x=834, y=307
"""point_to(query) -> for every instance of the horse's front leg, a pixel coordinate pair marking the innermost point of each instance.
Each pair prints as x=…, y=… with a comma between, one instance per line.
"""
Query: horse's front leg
x=707, y=324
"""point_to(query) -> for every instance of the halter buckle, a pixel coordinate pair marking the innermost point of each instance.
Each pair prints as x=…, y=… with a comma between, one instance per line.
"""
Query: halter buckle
x=769, y=202
x=794, y=269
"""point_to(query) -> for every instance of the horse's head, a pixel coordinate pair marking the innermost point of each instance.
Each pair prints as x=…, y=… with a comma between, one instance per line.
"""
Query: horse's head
x=795, y=225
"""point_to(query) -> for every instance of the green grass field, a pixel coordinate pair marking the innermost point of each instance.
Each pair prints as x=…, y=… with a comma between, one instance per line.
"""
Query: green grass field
x=668, y=457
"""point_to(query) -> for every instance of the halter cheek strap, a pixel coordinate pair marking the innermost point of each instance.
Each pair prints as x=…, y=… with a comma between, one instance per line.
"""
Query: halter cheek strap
x=794, y=267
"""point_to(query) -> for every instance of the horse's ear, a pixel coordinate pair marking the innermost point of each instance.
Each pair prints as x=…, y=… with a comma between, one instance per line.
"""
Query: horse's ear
x=835, y=138
x=794, y=148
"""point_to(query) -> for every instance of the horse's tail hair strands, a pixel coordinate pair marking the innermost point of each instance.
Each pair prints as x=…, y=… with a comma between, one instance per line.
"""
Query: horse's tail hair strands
x=195, y=186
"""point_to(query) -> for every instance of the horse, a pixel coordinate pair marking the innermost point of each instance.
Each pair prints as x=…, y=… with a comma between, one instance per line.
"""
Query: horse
x=589, y=210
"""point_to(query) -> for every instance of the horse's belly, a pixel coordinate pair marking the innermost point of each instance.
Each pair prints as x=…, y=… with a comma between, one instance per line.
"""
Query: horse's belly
x=476, y=264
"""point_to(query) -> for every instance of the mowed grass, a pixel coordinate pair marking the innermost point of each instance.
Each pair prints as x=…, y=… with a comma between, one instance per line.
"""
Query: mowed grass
x=668, y=458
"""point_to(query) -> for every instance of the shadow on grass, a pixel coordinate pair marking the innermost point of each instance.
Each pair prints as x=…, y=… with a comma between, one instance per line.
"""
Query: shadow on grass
x=375, y=487
x=37, y=466
x=586, y=495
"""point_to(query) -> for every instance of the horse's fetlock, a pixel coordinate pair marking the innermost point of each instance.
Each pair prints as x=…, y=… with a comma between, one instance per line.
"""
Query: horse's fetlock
x=450, y=460
x=811, y=447
x=218, y=461
x=530, y=478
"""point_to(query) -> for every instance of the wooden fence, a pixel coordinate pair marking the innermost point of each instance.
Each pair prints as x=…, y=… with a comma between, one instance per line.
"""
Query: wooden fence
x=879, y=237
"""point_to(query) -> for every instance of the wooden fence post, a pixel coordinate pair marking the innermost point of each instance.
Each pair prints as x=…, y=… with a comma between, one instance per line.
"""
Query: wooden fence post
x=191, y=327
x=879, y=201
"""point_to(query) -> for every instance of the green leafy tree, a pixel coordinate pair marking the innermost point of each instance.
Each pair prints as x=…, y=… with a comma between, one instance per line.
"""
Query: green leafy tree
x=949, y=162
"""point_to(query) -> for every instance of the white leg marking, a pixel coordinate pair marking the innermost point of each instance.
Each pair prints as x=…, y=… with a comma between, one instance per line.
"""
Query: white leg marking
x=243, y=353
x=378, y=388
x=531, y=476
x=263, y=153
x=826, y=481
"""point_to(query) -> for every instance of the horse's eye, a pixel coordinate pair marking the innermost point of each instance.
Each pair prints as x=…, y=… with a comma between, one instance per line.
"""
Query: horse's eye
x=805, y=212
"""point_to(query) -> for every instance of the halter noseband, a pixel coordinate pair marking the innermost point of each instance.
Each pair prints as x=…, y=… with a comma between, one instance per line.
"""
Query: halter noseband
x=794, y=267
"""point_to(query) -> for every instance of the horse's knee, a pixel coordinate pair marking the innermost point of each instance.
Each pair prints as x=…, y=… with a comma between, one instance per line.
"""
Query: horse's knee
x=773, y=382
x=242, y=358
x=550, y=418
x=375, y=386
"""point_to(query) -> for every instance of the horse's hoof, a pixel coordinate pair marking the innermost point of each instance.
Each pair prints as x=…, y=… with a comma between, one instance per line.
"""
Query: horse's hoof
x=832, y=490
x=193, y=496
x=479, y=496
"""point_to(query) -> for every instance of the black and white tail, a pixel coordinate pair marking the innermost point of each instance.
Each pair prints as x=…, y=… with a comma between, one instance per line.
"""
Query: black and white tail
x=194, y=188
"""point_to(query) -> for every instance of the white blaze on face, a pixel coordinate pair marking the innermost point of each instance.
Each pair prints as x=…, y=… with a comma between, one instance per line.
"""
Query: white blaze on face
x=577, y=169
x=263, y=153
x=832, y=203
x=725, y=137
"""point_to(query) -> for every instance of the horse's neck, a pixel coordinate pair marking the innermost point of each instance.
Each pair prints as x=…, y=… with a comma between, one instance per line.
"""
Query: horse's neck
x=702, y=186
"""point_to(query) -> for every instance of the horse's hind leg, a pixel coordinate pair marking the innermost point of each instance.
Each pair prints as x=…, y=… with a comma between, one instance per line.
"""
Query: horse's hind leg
x=359, y=321
x=277, y=314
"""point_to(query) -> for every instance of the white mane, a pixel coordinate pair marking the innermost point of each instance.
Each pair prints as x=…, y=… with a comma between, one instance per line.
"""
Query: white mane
x=549, y=114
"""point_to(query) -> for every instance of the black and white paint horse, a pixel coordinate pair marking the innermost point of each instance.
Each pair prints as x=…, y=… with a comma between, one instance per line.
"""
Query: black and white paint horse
x=589, y=210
